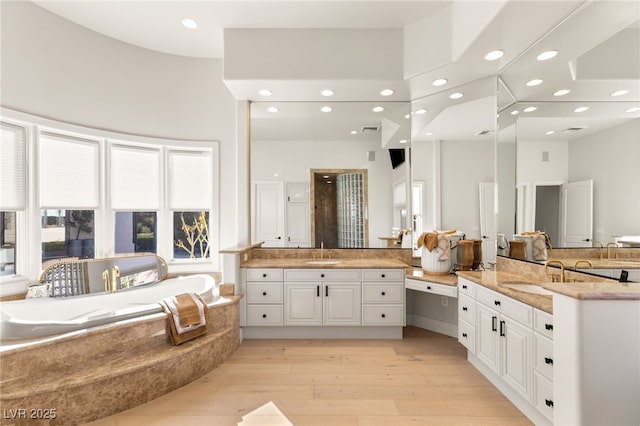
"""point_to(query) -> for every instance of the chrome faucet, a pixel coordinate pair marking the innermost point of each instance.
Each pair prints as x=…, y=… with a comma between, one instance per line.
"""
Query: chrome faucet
x=559, y=262
x=115, y=273
x=609, y=245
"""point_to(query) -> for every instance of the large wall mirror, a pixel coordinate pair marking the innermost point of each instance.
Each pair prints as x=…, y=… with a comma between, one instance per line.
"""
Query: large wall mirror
x=570, y=120
x=333, y=174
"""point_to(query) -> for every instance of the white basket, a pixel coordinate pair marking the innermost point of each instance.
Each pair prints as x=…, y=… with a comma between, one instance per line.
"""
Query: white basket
x=430, y=262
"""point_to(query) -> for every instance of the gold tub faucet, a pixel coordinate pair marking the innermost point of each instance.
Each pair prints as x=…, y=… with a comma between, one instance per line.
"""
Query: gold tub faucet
x=609, y=245
x=115, y=273
x=559, y=262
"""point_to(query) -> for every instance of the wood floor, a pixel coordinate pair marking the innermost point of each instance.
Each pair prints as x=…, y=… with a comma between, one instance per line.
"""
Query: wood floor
x=423, y=379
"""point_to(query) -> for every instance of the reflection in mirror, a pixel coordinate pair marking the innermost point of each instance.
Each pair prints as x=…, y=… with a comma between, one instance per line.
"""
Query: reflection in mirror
x=73, y=277
x=452, y=155
x=294, y=145
x=577, y=132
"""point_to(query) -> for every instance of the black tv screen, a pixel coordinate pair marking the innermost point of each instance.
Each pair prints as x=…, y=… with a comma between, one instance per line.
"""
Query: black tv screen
x=397, y=157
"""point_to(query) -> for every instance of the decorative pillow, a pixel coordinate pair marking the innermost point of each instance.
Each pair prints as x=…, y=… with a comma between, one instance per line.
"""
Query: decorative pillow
x=39, y=291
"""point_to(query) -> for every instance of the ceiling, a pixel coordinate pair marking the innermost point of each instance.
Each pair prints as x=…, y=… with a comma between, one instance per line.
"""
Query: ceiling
x=586, y=34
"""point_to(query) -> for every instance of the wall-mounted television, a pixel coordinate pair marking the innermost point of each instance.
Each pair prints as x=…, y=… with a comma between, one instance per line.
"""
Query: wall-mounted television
x=397, y=157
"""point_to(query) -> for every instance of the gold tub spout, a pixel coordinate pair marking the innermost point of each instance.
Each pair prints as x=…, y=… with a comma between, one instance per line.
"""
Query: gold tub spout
x=579, y=261
x=609, y=245
x=115, y=273
x=105, y=277
x=559, y=262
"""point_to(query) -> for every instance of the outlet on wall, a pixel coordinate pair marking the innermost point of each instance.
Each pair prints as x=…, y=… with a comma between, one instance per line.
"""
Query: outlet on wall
x=445, y=301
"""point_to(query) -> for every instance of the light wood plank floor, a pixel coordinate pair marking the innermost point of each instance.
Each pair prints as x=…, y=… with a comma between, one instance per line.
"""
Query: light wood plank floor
x=423, y=379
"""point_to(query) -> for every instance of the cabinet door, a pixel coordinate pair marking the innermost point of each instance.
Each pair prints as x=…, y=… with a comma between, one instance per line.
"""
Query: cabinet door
x=342, y=304
x=303, y=304
x=298, y=228
x=516, y=355
x=487, y=337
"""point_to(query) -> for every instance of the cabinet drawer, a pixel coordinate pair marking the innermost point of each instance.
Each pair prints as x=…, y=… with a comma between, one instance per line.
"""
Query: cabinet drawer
x=467, y=336
x=543, y=323
x=543, y=395
x=264, y=274
x=382, y=292
x=382, y=315
x=264, y=292
x=383, y=275
x=427, y=287
x=518, y=311
x=466, y=308
x=323, y=274
x=264, y=315
x=466, y=287
x=543, y=355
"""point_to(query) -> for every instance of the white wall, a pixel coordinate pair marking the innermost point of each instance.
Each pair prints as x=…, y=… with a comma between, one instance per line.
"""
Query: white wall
x=422, y=169
x=291, y=161
x=530, y=167
x=54, y=68
x=612, y=159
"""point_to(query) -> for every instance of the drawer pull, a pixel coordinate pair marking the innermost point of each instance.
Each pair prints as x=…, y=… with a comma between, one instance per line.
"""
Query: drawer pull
x=464, y=286
x=383, y=316
x=383, y=275
x=464, y=335
x=383, y=293
x=264, y=275
x=264, y=315
x=264, y=293
x=548, y=402
x=548, y=327
x=464, y=308
x=548, y=360
x=496, y=302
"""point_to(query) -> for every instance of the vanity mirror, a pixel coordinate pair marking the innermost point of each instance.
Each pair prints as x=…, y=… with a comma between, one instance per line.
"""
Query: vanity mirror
x=569, y=117
x=357, y=149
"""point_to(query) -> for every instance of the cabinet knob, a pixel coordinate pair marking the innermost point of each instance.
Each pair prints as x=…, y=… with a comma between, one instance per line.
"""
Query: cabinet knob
x=496, y=302
x=428, y=287
x=383, y=275
x=264, y=315
x=548, y=360
x=464, y=308
x=321, y=275
x=548, y=402
x=383, y=316
x=264, y=275
x=464, y=335
x=383, y=293
x=548, y=326
x=264, y=293
x=464, y=286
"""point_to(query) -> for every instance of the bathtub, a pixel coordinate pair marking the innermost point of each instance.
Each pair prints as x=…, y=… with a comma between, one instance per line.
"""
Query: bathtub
x=45, y=316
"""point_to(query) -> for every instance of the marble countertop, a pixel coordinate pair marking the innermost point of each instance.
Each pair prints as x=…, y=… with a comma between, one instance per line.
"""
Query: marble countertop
x=597, y=290
x=355, y=263
x=420, y=275
x=569, y=263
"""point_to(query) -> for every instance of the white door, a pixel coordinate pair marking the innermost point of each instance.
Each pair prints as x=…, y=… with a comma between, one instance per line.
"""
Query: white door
x=298, y=220
x=268, y=212
x=303, y=304
x=576, y=214
x=342, y=304
x=488, y=221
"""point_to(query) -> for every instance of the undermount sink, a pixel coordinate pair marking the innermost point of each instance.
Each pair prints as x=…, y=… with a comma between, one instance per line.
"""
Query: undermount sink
x=323, y=262
x=528, y=288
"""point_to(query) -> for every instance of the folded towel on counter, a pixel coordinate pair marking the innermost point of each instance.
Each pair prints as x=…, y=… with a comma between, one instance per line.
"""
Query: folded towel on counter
x=187, y=316
x=539, y=247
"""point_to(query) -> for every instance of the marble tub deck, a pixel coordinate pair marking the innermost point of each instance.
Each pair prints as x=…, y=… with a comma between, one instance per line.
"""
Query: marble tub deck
x=98, y=372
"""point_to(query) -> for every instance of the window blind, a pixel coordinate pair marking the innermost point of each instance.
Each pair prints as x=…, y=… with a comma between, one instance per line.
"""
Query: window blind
x=135, y=178
x=190, y=180
x=12, y=167
x=69, y=171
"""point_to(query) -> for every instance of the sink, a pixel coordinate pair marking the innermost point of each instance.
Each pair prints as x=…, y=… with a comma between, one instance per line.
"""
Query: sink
x=528, y=288
x=322, y=262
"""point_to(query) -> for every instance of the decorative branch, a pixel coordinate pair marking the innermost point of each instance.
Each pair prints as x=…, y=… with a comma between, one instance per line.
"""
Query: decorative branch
x=195, y=235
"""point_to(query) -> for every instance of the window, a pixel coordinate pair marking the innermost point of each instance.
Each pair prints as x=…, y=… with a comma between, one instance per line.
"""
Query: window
x=7, y=243
x=75, y=238
x=136, y=232
x=191, y=235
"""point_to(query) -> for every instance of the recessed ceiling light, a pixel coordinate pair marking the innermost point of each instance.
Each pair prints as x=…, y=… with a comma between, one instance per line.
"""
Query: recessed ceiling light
x=328, y=181
x=547, y=55
x=456, y=95
x=561, y=92
x=550, y=132
x=354, y=132
x=273, y=109
x=327, y=92
x=402, y=141
x=326, y=109
x=429, y=133
x=326, y=176
x=378, y=109
x=440, y=81
x=408, y=116
x=619, y=92
x=534, y=82
x=386, y=92
x=189, y=23
x=493, y=55
x=581, y=109
x=420, y=111
x=530, y=109
x=633, y=109
x=515, y=112
x=265, y=92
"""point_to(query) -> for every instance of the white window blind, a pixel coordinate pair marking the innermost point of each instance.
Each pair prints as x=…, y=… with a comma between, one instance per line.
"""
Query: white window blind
x=69, y=171
x=135, y=178
x=12, y=167
x=190, y=180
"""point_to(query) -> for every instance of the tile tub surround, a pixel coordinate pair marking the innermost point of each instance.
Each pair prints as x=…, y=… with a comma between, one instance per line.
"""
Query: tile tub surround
x=94, y=373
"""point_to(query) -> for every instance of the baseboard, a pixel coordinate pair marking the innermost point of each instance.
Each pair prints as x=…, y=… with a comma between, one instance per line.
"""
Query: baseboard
x=431, y=324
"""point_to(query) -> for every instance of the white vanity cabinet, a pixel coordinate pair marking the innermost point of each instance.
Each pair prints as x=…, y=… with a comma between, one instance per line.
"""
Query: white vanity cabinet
x=383, y=297
x=322, y=296
x=264, y=297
